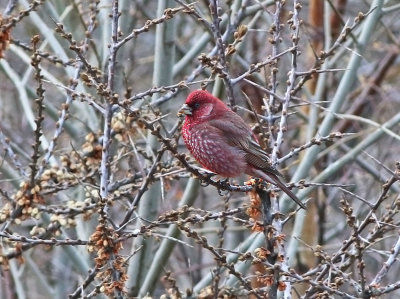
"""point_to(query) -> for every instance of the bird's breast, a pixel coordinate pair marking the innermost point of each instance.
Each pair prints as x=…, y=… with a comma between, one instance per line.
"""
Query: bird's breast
x=211, y=150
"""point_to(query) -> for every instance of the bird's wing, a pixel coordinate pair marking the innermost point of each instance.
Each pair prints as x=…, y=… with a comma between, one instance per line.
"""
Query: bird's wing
x=237, y=133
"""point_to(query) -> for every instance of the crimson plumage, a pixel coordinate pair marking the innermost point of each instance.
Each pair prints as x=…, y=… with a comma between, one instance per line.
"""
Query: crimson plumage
x=223, y=143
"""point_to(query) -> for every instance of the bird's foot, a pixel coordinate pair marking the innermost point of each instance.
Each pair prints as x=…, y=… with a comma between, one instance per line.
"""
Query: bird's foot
x=205, y=181
x=225, y=186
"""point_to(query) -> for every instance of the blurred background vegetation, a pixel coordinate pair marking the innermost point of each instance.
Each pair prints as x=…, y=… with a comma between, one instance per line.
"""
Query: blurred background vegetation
x=98, y=198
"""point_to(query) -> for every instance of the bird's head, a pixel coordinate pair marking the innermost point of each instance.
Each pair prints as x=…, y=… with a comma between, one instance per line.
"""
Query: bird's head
x=201, y=105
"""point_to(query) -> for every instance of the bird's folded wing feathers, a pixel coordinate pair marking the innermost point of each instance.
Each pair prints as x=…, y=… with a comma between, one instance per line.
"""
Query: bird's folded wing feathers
x=239, y=135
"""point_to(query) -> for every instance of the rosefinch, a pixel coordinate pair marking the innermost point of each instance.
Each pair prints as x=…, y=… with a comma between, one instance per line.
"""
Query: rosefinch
x=223, y=143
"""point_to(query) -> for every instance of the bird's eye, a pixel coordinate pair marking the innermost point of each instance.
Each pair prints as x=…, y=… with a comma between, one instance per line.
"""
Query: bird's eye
x=196, y=105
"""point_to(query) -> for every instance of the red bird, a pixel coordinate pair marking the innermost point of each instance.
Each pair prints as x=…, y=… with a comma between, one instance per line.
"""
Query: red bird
x=222, y=142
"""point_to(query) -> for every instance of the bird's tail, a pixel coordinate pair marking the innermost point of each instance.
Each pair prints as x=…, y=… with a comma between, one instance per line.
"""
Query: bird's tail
x=272, y=178
x=285, y=189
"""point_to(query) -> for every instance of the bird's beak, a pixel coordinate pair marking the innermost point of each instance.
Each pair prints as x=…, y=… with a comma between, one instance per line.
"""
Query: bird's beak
x=185, y=110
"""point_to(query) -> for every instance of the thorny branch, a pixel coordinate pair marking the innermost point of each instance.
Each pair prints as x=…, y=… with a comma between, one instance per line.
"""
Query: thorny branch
x=99, y=177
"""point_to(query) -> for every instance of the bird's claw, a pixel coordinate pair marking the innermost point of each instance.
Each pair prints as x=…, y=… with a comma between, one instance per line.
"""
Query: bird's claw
x=207, y=178
x=204, y=183
x=225, y=182
x=225, y=185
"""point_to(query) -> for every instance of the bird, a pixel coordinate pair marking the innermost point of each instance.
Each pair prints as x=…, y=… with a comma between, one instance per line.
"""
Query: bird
x=222, y=142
